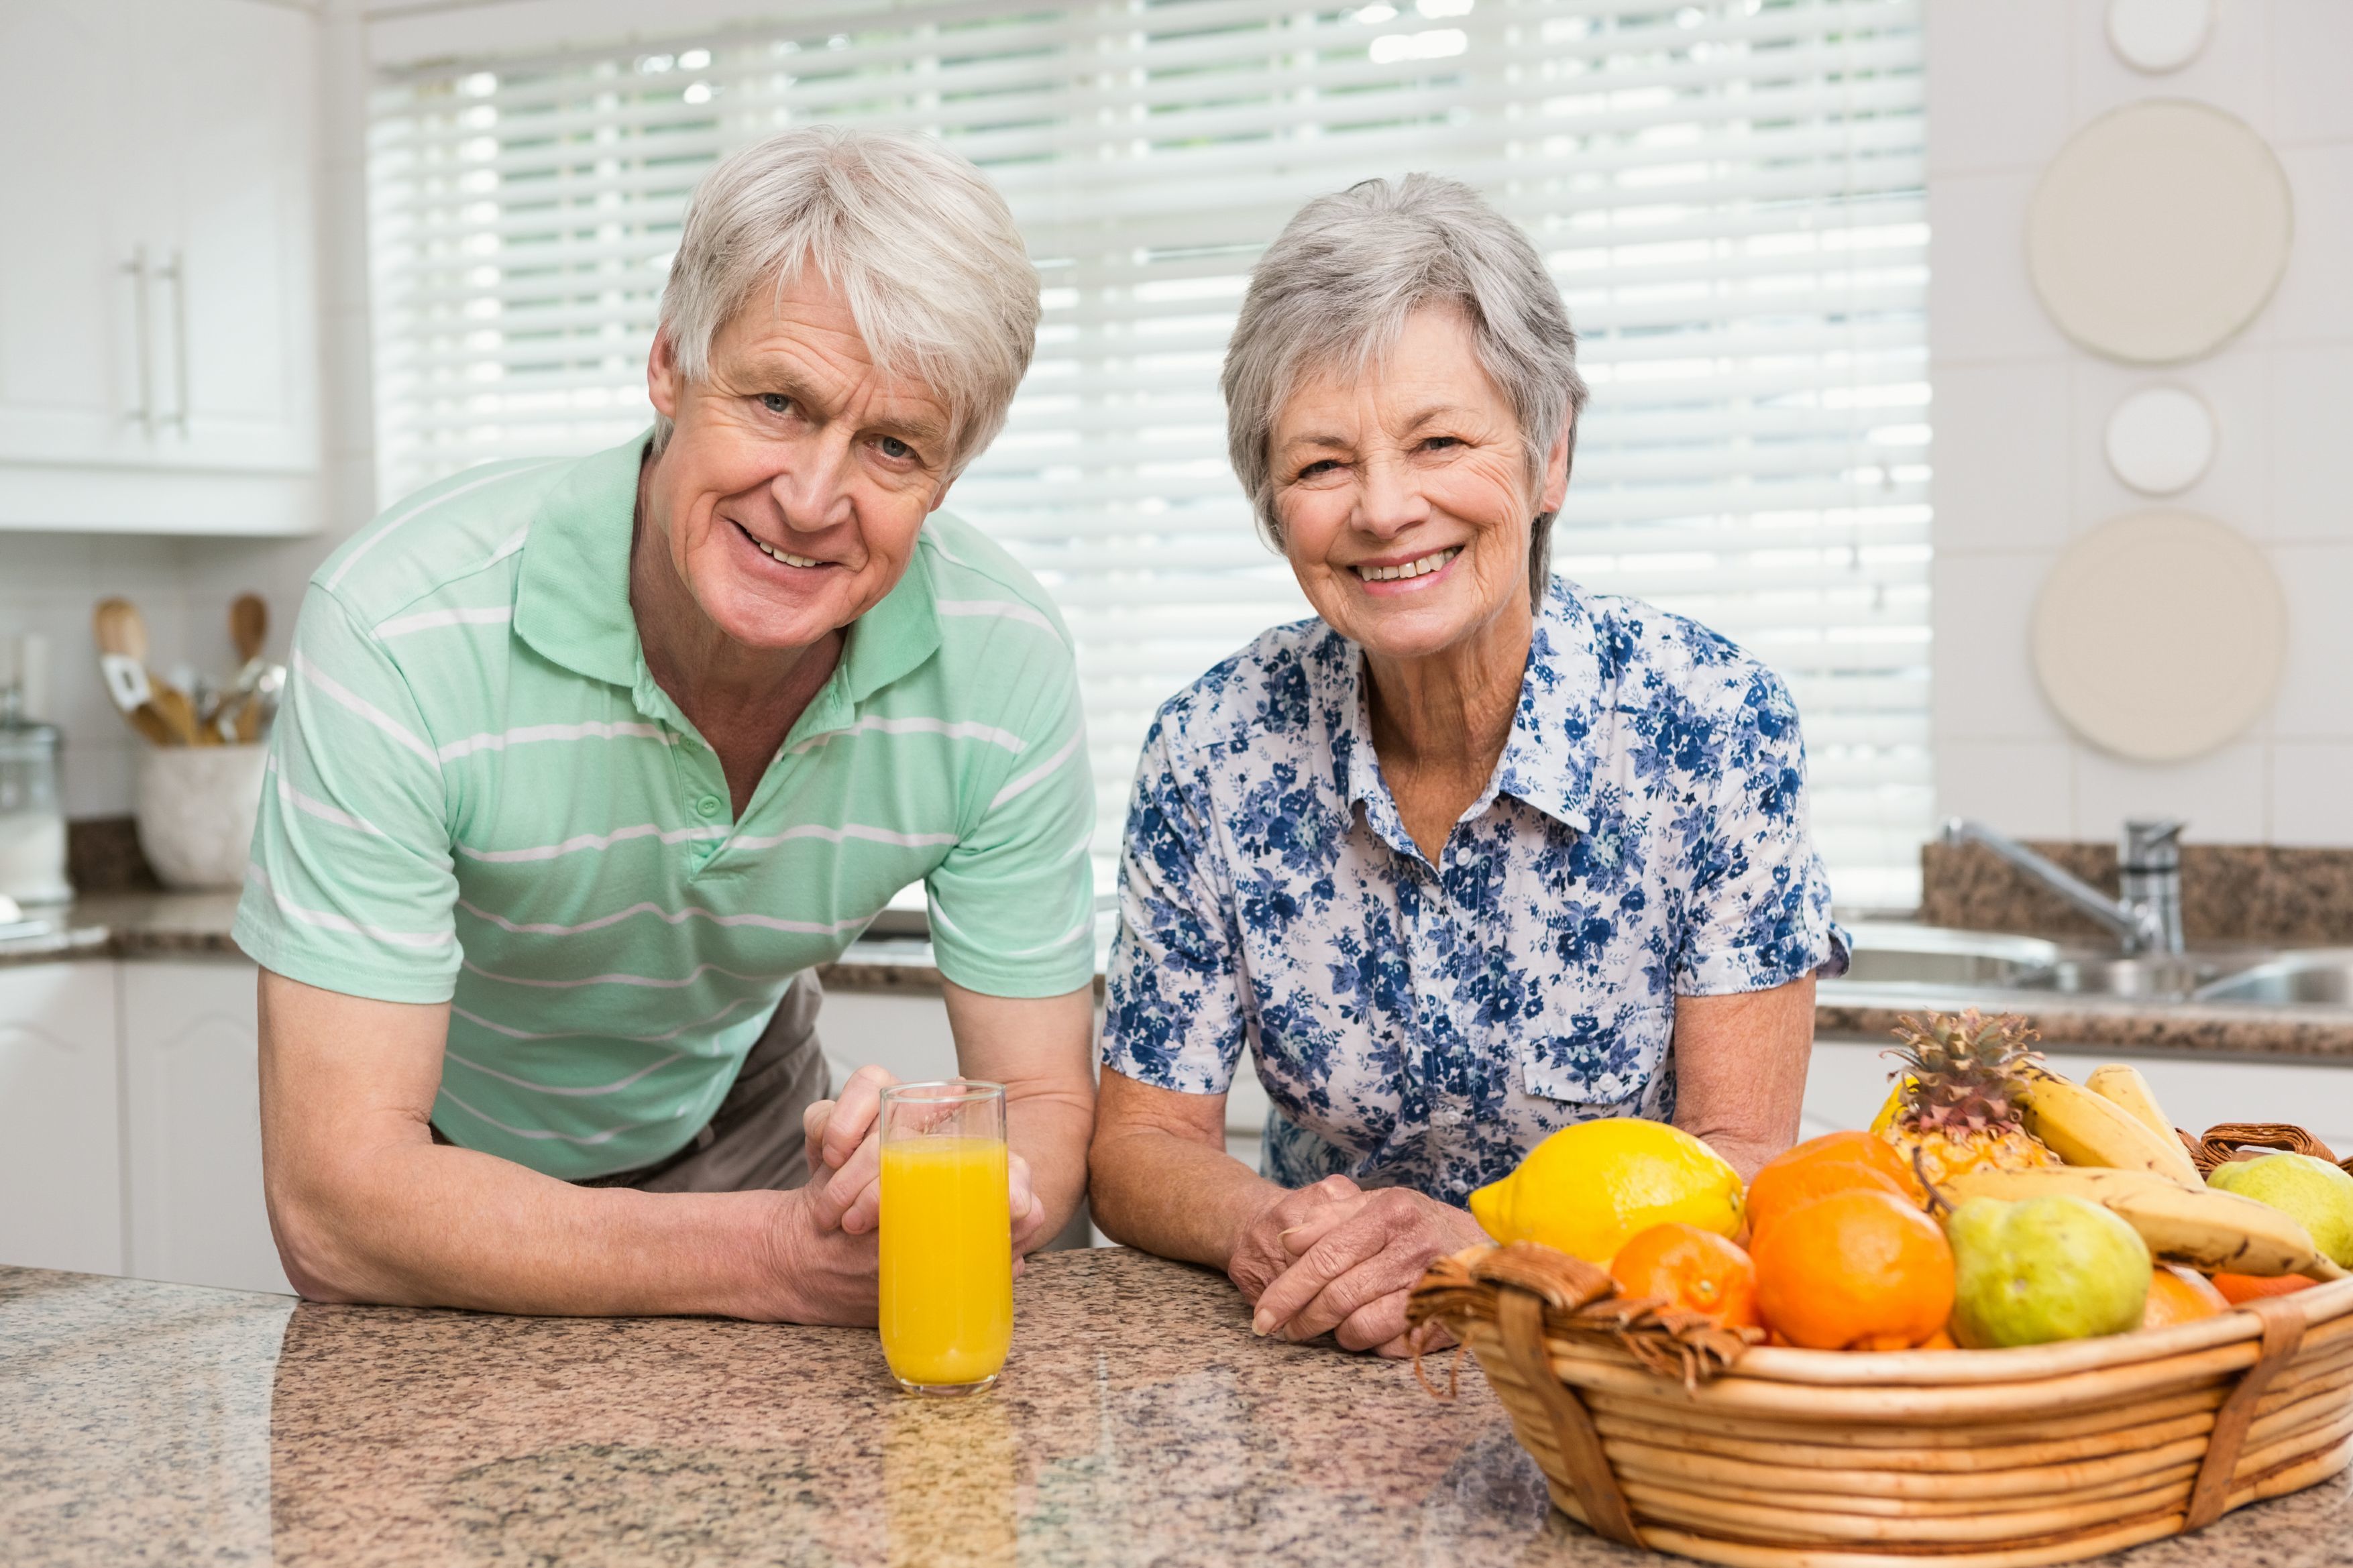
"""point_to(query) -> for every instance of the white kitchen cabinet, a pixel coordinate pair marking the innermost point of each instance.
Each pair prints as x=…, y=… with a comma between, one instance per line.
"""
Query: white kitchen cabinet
x=60, y=1139
x=158, y=322
x=1849, y=1083
x=193, y=1126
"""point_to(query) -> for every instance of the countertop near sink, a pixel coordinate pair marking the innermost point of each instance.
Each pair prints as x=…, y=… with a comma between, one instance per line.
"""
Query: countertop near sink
x=151, y=925
x=1139, y=1422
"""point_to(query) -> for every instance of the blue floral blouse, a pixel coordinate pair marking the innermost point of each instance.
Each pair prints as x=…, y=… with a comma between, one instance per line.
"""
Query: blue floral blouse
x=1424, y=1025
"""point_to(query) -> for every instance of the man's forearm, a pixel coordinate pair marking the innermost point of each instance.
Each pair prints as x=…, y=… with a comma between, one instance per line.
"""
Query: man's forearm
x=427, y=1224
x=1170, y=1195
x=1050, y=1131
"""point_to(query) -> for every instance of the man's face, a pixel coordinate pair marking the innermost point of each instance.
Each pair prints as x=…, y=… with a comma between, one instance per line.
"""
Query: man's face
x=798, y=473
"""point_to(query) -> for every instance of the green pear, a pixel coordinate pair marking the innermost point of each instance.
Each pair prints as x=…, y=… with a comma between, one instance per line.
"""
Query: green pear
x=2040, y=1269
x=2314, y=1190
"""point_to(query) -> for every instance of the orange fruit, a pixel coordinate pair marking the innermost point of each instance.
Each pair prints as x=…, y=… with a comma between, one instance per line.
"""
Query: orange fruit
x=2237, y=1288
x=1834, y=1163
x=1696, y=1270
x=1858, y=1269
x=1942, y=1339
x=2177, y=1295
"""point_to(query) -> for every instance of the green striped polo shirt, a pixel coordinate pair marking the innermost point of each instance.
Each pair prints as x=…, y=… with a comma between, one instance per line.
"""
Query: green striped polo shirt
x=477, y=795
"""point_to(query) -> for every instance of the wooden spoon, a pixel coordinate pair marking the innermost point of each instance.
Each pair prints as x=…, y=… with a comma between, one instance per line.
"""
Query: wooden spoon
x=248, y=626
x=122, y=631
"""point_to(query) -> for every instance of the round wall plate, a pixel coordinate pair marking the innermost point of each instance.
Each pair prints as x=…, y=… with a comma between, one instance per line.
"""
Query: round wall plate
x=2159, y=636
x=2158, y=231
x=2161, y=439
x=2156, y=36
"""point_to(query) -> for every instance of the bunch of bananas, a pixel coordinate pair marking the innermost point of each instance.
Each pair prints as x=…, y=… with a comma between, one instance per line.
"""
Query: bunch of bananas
x=2122, y=1152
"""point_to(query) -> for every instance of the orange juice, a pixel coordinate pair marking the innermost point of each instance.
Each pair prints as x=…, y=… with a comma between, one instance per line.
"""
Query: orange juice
x=948, y=1260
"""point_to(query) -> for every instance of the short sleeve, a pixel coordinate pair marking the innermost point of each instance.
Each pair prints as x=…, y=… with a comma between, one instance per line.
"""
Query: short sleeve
x=1012, y=904
x=1759, y=913
x=351, y=887
x=1172, y=1007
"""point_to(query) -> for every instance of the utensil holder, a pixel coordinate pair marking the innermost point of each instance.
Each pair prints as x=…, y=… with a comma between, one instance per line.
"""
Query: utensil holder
x=196, y=810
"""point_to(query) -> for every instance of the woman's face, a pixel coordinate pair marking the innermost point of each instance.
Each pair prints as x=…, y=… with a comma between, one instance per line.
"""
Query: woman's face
x=1404, y=493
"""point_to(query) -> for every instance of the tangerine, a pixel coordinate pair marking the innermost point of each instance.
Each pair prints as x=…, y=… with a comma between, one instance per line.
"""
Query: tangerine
x=2237, y=1288
x=1857, y=1270
x=1693, y=1270
x=2178, y=1295
x=1834, y=1163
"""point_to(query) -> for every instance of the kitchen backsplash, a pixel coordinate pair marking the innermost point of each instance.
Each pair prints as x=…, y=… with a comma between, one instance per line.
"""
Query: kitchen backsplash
x=2230, y=893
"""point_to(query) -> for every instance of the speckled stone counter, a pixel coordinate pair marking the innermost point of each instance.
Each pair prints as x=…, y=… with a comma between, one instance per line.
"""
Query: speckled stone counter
x=1139, y=1423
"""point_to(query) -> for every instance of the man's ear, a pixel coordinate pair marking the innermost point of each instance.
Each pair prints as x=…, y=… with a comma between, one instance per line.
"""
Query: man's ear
x=663, y=383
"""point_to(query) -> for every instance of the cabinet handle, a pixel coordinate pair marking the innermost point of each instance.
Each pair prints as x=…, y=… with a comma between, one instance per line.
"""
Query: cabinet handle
x=175, y=272
x=144, y=415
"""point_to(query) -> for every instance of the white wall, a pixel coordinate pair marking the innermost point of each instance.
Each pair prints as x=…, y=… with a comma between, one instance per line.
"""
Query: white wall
x=49, y=581
x=2019, y=414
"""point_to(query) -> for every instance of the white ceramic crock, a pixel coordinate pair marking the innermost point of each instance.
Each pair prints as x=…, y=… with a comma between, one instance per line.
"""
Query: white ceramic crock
x=196, y=806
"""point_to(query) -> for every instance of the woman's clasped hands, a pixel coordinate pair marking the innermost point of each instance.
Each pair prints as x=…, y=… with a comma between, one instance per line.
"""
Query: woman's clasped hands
x=1336, y=1257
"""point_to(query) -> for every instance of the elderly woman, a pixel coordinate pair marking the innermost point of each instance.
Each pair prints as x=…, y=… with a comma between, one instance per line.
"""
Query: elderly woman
x=1473, y=855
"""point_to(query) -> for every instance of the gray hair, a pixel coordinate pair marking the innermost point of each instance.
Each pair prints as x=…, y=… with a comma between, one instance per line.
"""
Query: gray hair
x=919, y=243
x=1337, y=285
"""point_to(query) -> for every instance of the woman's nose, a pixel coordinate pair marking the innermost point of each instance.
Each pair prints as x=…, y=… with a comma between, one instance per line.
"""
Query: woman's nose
x=1388, y=501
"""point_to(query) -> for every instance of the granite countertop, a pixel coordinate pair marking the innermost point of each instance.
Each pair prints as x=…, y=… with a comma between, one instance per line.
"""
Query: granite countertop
x=153, y=925
x=1138, y=1422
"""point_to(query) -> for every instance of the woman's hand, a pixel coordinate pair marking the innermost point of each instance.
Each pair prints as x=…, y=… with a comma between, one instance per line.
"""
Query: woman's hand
x=1354, y=1257
x=1261, y=1252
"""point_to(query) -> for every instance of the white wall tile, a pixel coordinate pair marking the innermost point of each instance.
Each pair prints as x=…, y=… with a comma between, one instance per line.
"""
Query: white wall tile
x=2024, y=788
x=2224, y=796
x=2311, y=794
x=2236, y=489
x=1985, y=686
x=1998, y=84
x=2232, y=73
x=2316, y=294
x=1981, y=303
x=2312, y=47
x=2310, y=432
x=2315, y=698
x=2003, y=446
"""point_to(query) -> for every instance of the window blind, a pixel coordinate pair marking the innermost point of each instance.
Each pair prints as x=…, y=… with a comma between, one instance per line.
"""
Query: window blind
x=1728, y=192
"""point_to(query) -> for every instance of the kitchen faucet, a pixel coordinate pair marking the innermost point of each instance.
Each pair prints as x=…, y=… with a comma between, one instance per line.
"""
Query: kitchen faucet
x=2146, y=919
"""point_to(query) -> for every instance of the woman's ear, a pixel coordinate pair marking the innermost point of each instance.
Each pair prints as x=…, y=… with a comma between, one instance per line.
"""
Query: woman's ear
x=1555, y=480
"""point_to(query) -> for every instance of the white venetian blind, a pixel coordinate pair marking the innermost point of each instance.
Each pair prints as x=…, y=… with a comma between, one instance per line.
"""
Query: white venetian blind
x=1728, y=193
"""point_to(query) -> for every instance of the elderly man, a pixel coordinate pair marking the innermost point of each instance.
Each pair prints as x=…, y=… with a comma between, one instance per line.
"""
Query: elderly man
x=587, y=764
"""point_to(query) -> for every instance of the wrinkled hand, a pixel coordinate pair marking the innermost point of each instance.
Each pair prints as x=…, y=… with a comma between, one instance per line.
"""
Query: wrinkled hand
x=1353, y=1260
x=1259, y=1255
x=844, y=1140
x=820, y=1272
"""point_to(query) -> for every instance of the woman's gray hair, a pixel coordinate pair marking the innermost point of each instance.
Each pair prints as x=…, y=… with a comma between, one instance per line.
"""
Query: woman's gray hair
x=1336, y=287
x=919, y=244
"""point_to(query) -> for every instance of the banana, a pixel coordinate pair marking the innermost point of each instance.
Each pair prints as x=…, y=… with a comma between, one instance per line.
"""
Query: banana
x=2122, y=1084
x=2206, y=1228
x=2082, y=1129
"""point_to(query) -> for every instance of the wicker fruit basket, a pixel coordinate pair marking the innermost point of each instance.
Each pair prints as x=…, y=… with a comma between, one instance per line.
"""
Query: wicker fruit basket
x=1655, y=1433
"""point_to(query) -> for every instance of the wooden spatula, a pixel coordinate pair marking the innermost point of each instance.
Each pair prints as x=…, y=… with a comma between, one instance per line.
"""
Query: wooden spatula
x=121, y=634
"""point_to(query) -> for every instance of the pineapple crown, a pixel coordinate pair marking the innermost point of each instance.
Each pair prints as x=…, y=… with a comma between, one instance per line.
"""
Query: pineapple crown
x=1963, y=1073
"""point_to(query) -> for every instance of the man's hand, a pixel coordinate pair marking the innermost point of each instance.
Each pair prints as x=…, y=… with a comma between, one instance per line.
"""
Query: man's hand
x=1355, y=1256
x=844, y=1139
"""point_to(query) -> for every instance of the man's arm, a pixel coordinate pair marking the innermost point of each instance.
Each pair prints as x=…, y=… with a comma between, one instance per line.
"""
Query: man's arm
x=1740, y=1069
x=1035, y=1047
x=367, y=1207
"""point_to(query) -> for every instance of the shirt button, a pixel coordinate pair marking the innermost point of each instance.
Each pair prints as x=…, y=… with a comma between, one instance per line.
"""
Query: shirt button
x=708, y=806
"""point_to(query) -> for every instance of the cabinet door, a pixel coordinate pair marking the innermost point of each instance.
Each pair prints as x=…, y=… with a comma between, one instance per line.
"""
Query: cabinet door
x=60, y=1141
x=193, y=1125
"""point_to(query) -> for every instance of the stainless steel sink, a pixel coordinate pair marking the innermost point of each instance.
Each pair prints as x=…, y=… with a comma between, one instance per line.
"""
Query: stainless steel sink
x=1892, y=953
x=2157, y=975
x=2322, y=975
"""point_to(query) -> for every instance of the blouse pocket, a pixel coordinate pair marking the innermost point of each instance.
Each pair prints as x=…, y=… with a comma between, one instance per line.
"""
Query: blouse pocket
x=1607, y=1056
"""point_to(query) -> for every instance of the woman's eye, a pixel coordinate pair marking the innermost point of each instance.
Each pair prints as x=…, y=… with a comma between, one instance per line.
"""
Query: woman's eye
x=775, y=403
x=1441, y=443
x=1317, y=469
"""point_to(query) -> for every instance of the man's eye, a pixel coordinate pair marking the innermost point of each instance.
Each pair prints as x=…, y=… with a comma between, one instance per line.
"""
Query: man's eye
x=775, y=403
x=894, y=448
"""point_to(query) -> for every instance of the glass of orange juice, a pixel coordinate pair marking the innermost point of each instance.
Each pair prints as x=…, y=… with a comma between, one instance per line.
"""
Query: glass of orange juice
x=947, y=1302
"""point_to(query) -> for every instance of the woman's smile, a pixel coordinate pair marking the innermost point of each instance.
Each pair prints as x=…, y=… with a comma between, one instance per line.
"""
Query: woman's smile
x=1408, y=575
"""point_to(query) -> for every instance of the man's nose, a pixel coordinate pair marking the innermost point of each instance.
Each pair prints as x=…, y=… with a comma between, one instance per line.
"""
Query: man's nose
x=1389, y=498
x=812, y=489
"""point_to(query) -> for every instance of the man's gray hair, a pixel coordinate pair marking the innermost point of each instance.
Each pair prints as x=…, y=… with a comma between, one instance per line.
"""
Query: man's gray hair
x=919, y=243
x=1335, y=288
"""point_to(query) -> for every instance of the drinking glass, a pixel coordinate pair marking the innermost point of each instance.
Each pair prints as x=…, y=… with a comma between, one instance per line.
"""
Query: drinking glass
x=946, y=1304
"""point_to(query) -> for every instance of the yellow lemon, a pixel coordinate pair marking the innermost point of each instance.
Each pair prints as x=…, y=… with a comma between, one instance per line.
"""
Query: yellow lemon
x=1587, y=1188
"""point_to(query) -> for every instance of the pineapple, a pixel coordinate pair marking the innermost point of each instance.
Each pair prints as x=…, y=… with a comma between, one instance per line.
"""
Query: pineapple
x=1956, y=1104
